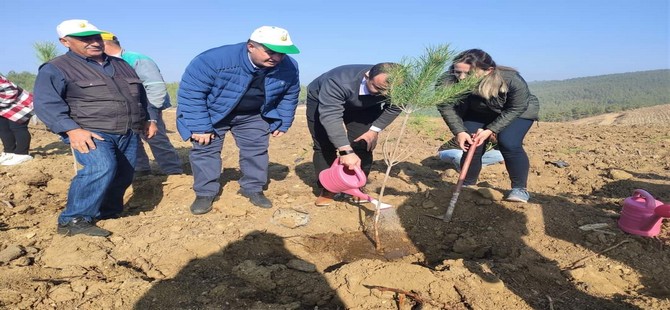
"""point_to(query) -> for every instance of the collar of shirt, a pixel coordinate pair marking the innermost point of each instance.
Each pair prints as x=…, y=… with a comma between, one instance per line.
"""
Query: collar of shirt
x=257, y=69
x=91, y=60
x=363, y=89
x=252, y=63
x=105, y=67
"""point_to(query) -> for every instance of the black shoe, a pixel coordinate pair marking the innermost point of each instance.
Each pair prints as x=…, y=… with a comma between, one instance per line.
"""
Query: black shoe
x=80, y=225
x=202, y=204
x=258, y=199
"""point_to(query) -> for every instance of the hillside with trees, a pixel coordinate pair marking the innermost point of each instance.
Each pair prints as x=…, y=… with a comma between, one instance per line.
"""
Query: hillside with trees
x=588, y=96
x=560, y=101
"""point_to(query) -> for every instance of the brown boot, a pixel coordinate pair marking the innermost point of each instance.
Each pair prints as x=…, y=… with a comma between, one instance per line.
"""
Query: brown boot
x=324, y=199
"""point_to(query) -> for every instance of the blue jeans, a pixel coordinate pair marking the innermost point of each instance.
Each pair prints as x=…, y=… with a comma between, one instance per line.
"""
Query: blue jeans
x=252, y=136
x=98, y=188
x=164, y=153
x=453, y=156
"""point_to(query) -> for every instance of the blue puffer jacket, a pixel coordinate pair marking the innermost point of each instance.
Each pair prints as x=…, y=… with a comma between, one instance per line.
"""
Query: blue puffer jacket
x=215, y=80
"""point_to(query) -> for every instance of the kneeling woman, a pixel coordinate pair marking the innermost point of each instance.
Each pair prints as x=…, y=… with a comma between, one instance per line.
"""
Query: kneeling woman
x=501, y=105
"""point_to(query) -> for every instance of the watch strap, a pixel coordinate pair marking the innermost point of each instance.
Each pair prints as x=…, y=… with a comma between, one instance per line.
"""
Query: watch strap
x=345, y=152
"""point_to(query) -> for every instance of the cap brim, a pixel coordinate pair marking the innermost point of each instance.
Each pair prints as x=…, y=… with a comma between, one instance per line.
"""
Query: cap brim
x=85, y=33
x=284, y=49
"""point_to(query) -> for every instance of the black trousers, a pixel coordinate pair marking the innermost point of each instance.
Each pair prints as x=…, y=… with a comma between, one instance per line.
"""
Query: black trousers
x=356, y=123
x=15, y=137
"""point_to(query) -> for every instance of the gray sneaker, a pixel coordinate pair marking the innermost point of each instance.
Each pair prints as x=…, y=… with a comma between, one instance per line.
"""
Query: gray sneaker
x=518, y=195
x=82, y=226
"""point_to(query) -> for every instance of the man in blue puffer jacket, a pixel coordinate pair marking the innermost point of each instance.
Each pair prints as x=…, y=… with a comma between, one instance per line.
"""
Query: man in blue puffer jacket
x=250, y=89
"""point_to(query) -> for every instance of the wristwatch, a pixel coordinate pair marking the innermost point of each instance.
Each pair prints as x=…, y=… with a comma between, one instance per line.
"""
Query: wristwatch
x=345, y=152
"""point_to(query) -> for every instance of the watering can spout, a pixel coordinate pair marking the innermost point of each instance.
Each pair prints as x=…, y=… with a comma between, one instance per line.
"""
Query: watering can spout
x=662, y=211
x=356, y=192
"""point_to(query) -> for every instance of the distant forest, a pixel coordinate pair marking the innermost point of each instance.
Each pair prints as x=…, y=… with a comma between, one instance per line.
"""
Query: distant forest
x=588, y=96
x=563, y=100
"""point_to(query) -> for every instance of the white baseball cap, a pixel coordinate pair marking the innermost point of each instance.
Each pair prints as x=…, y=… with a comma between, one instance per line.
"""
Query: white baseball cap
x=274, y=38
x=76, y=28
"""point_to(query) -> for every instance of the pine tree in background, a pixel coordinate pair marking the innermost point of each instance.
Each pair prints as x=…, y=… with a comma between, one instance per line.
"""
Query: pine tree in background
x=45, y=51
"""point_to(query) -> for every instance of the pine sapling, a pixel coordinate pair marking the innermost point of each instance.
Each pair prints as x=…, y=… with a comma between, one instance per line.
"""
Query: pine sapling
x=416, y=84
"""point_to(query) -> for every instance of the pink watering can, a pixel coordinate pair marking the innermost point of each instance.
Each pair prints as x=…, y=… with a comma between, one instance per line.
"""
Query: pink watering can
x=642, y=214
x=339, y=179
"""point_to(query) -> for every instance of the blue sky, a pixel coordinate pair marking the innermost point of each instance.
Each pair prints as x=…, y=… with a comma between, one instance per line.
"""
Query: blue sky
x=544, y=40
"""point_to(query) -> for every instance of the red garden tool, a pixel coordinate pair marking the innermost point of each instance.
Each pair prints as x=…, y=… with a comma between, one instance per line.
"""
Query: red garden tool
x=461, y=178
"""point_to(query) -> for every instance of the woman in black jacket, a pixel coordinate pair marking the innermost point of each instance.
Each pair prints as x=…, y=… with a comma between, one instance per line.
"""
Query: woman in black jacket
x=501, y=105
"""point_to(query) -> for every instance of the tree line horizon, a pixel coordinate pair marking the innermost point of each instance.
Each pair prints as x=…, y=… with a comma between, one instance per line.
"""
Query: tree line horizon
x=560, y=100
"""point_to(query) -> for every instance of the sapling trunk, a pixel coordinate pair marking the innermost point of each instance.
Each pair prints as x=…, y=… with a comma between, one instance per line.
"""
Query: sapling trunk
x=390, y=160
x=416, y=84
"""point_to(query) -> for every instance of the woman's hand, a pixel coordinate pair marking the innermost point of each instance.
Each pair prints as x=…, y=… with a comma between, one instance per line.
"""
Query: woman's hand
x=482, y=135
x=464, y=140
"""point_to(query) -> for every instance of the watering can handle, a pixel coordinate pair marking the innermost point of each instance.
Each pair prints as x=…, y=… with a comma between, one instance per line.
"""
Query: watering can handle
x=663, y=211
x=360, y=175
x=362, y=179
x=650, y=202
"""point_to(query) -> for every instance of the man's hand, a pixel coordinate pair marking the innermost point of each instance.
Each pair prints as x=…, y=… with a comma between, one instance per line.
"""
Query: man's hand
x=350, y=161
x=370, y=137
x=82, y=140
x=150, y=129
x=277, y=133
x=202, y=138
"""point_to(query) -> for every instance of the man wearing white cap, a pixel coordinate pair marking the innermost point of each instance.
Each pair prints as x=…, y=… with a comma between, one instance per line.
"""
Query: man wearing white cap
x=98, y=106
x=250, y=89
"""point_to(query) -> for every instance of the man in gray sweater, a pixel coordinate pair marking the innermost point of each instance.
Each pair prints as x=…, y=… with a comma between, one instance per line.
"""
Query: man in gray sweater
x=164, y=152
x=346, y=110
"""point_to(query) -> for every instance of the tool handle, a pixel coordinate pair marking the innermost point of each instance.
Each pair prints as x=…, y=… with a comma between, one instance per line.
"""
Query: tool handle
x=461, y=179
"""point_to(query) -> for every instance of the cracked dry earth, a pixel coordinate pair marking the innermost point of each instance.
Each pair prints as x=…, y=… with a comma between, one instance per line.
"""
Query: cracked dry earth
x=493, y=255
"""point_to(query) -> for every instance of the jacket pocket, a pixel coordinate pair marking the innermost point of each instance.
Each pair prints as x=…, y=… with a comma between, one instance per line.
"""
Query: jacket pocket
x=136, y=87
x=92, y=89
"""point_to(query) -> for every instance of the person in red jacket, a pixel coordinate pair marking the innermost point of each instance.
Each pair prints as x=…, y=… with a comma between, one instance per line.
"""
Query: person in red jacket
x=16, y=108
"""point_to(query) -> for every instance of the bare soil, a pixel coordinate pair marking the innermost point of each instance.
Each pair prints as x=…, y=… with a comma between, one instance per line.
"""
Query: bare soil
x=493, y=255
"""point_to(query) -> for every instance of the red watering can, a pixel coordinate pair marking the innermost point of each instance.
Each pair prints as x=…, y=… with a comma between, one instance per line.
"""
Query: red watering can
x=339, y=179
x=642, y=214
